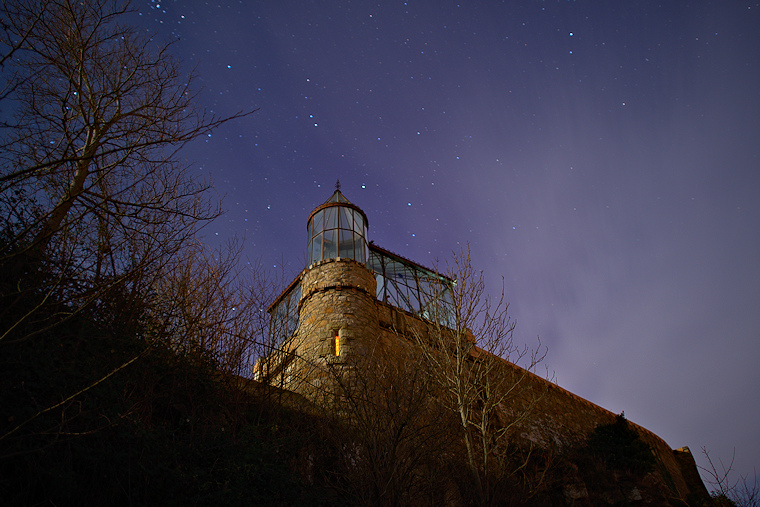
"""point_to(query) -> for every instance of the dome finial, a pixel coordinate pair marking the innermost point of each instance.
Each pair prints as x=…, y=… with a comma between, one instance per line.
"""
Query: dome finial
x=337, y=185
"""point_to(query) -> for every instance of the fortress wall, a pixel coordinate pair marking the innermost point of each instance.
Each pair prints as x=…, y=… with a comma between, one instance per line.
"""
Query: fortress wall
x=561, y=419
x=565, y=419
x=339, y=296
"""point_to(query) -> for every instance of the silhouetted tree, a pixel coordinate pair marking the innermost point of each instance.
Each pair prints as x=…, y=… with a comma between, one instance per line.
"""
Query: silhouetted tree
x=726, y=489
x=208, y=306
x=98, y=213
x=92, y=192
x=469, y=352
x=397, y=442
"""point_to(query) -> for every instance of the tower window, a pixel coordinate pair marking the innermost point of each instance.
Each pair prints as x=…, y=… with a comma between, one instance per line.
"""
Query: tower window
x=337, y=229
x=336, y=339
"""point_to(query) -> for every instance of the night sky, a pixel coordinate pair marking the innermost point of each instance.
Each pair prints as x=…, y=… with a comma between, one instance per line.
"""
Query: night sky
x=603, y=157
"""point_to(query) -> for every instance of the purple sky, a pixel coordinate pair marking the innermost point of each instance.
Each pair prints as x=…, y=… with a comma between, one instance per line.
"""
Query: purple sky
x=604, y=157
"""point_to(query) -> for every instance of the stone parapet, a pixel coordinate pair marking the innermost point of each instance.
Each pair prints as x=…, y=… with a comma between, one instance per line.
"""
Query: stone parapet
x=561, y=419
x=337, y=274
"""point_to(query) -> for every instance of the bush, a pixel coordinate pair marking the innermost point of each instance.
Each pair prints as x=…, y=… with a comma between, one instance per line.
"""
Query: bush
x=620, y=448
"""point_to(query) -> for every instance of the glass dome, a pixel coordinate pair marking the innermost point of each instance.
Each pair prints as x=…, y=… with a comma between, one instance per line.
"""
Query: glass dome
x=337, y=228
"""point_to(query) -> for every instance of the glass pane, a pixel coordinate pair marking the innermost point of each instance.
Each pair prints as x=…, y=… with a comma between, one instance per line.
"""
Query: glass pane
x=330, y=245
x=346, y=248
x=375, y=263
x=359, y=251
x=316, y=224
x=346, y=218
x=358, y=223
x=316, y=249
x=380, y=286
x=393, y=269
x=390, y=294
x=331, y=217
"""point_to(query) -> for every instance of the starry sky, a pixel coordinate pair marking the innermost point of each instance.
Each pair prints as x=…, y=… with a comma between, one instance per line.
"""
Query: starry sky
x=602, y=157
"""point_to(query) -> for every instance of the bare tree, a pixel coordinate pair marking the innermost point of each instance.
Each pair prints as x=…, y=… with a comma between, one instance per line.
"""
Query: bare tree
x=396, y=441
x=13, y=42
x=98, y=213
x=92, y=192
x=206, y=306
x=727, y=490
x=470, y=353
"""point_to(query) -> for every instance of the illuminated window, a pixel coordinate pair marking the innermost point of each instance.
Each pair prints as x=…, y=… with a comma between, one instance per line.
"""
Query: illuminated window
x=337, y=342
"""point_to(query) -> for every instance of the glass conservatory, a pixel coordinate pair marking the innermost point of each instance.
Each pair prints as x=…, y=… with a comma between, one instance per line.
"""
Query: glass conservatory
x=337, y=228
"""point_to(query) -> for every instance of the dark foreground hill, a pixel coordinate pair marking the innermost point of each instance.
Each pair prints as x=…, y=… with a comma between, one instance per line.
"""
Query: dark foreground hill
x=168, y=429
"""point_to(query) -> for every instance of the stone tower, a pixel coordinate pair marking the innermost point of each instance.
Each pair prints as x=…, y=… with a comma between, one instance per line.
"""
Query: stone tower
x=337, y=304
x=355, y=297
x=330, y=310
x=351, y=296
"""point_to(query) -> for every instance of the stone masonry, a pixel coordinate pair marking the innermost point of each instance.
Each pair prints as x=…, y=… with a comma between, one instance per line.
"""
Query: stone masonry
x=339, y=315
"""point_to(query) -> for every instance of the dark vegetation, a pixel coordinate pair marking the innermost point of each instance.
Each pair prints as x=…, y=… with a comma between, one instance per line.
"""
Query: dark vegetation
x=168, y=429
x=614, y=462
x=171, y=429
x=727, y=489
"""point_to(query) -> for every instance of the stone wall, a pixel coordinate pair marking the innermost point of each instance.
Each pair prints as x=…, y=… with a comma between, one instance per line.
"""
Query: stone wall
x=338, y=296
x=337, y=301
x=560, y=419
